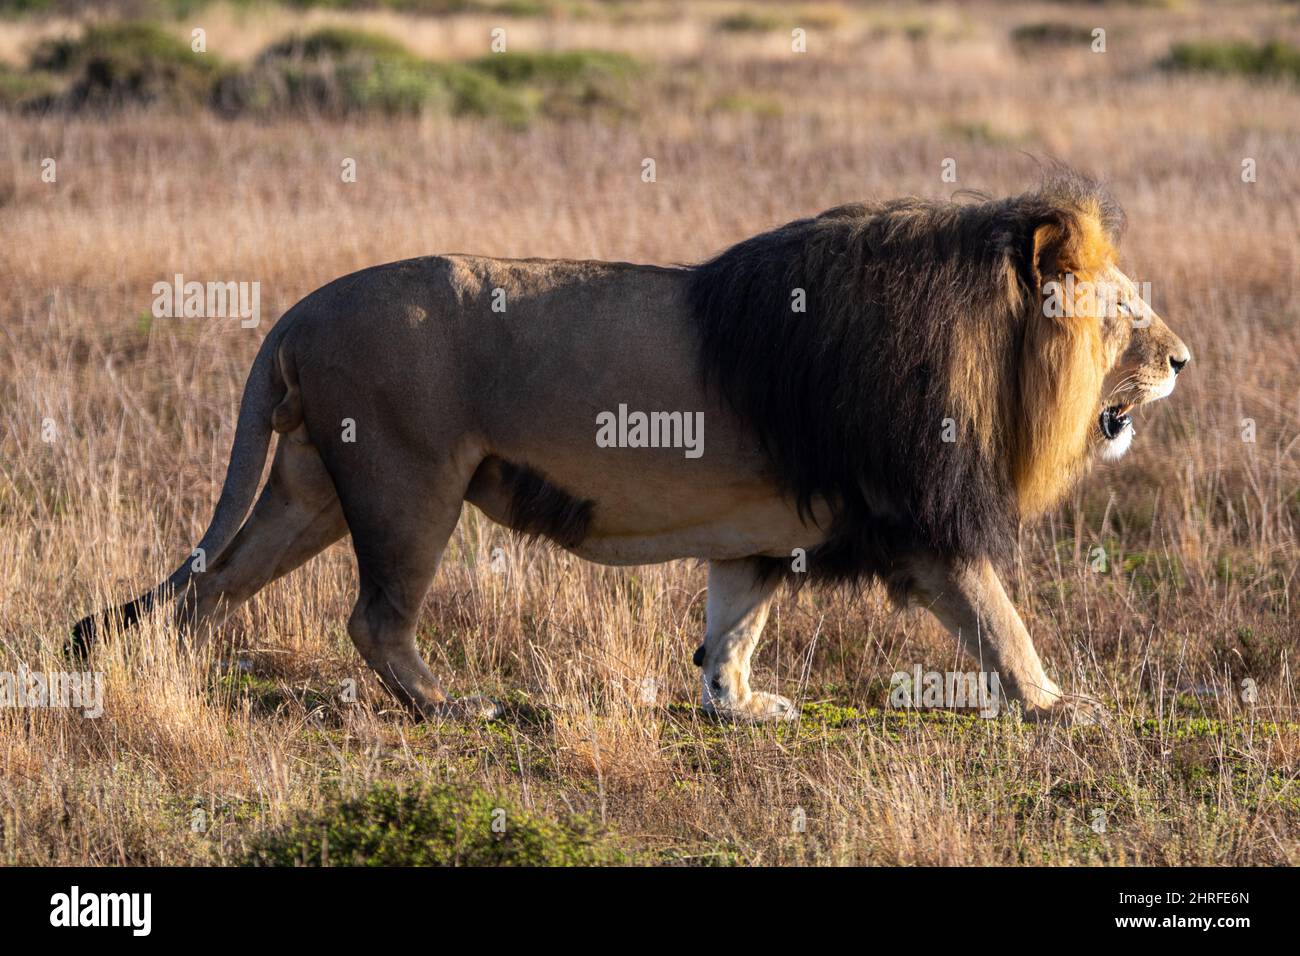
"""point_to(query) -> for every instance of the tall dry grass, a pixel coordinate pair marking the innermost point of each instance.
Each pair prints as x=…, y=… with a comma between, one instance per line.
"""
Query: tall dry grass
x=1199, y=526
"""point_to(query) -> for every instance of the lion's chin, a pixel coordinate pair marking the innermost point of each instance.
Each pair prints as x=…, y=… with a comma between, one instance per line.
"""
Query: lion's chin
x=1113, y=448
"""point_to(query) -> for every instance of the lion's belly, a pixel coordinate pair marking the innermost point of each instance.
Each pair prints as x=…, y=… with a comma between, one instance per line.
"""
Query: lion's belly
x=653, y=515
x=770, y=527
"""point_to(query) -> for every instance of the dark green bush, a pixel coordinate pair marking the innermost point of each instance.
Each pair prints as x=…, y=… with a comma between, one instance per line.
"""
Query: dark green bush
x=339, y=71
x=572, y=68
x=18, y=88
x=749, y=22
x=333, y=43
x=126, y=64
x=332, y=71
x=1052, y=34
x=176, y=9
x=1275, y=59
x=566, y=82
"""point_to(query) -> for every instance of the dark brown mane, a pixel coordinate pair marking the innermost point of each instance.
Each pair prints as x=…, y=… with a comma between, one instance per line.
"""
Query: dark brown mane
x=915, y=319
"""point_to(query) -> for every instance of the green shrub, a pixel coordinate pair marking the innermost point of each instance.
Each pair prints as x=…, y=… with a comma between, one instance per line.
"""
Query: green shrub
x=514, y=8
x=433, y=826
x=761, y=106
x=464, y=90
x=572, y=67
x=749, y=22
x=340, y=71
x=11, y=8
x=1275, y=59
x=332, y=43
x=333, y=71
x=568, y=81
x=126, y=64
x=177, y=9
x=19, y=89
x=1051, y=34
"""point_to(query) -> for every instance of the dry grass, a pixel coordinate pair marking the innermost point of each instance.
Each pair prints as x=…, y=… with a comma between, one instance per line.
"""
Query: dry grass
x=1199, y=526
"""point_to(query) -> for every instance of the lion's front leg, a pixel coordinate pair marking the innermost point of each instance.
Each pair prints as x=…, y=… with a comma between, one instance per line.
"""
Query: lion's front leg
x=968, y=598
x=739, y=598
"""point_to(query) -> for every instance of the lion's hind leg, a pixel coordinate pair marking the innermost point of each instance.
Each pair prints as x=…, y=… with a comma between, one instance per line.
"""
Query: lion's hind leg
x=296, y=517
x=400, y=527
x=740, y=594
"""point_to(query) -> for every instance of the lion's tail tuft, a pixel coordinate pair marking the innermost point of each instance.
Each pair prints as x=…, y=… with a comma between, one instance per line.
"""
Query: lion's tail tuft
x=267, y=399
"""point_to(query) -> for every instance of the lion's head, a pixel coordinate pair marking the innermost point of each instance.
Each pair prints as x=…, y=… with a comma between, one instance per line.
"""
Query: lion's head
x=935, y=371
x=1094, y=348
x=1144, y=358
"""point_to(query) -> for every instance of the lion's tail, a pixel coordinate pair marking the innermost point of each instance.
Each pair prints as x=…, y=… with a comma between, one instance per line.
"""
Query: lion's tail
x=264, y=393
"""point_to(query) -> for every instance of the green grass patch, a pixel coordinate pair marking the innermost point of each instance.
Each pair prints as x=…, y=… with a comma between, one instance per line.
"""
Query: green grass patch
x=1274, y=60
x=1051, y=34
x=178, y=9
x=510, y=8
x=748, y=21
x=434, y=826
x=984, y=132
x=18, y=88
x=765, y=107
x=331, y=43
x=566, y=82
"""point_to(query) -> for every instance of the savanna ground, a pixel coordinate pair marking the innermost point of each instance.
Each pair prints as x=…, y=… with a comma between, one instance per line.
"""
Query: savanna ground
x=117, y=426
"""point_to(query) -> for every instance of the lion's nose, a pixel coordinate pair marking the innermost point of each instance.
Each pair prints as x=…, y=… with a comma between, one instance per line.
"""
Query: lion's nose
x=1178, y=364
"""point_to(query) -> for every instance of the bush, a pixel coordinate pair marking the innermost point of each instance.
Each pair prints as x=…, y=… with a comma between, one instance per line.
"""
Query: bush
x=566, y=82
x=1275, y=59
x=432, y=826
x=10, y=8
x=340, y=71
x=126, y=64
x=749, y=22
x=18, y=88
x=178, y=9
x=332, y=71
x=1052, y=34
x=332, y=43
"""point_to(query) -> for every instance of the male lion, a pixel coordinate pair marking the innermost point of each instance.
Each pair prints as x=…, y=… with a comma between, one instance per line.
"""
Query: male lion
x=889, y=390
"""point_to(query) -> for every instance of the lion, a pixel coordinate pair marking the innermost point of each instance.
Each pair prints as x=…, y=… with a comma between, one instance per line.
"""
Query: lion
x=890, y=389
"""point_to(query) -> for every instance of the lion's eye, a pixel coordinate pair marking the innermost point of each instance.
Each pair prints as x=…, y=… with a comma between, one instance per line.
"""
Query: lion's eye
x=1124, y=309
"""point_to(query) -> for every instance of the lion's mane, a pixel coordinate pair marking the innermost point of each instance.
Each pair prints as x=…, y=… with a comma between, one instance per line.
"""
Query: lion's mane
x=923, y=392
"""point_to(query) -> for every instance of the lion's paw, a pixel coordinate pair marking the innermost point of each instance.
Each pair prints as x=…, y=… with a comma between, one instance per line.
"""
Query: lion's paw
x=759, y=706
x=1071, y=710
x=465, y=708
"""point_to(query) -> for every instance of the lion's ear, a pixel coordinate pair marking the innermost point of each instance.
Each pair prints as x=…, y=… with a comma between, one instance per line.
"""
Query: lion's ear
x=1050, y=249
x=1065, y=242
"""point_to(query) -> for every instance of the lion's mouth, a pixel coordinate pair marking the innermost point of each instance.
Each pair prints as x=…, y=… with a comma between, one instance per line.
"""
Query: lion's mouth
x=1114, y=419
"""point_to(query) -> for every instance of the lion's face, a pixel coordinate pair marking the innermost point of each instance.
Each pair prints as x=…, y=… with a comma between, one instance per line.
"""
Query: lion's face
x=1143, y=356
